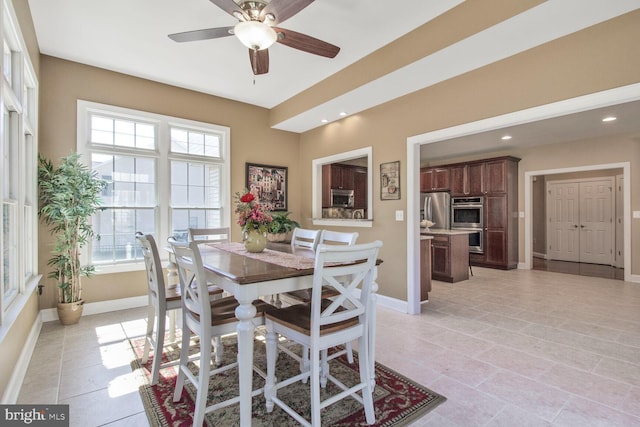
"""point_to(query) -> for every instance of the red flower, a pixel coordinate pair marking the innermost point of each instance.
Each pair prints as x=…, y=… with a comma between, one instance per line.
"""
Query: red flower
x=247, y=198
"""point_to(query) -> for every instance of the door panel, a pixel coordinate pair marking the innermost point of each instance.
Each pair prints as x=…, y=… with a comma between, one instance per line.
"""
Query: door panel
x=596, y=222
x=563, y=222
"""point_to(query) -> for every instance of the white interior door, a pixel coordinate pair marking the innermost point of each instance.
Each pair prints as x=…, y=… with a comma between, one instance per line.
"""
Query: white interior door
x=618, y=253
x=581, y=221
x=596, y=222
x=563, y=235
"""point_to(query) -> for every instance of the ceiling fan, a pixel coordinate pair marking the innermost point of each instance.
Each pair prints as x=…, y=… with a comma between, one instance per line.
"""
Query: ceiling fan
x=257, y=30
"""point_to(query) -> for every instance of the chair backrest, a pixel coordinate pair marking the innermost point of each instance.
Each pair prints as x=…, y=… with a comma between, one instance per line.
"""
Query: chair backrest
x=193, y=286
x=304, y=238
x=209, y=235
x=350, y=270
x=153, y=266
x=329, y=237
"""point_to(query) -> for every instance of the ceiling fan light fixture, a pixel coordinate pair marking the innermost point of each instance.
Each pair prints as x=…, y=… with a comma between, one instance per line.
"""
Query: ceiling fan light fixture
x=255, y=34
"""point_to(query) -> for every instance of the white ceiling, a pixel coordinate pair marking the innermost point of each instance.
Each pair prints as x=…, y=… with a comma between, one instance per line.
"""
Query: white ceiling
x=131, y=37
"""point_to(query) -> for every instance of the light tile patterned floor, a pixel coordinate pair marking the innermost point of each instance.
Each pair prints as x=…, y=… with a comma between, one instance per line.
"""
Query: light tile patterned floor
x=507, y=348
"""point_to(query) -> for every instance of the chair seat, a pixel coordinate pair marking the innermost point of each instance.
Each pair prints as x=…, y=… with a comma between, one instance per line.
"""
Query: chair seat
x=304, y=295
x=298, y=318
x=223, y=310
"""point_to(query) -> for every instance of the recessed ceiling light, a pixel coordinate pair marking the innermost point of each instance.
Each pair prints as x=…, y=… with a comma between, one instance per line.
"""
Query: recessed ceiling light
x=324, y=120
x=609, y=119
x=506, y=137
x=342, y=113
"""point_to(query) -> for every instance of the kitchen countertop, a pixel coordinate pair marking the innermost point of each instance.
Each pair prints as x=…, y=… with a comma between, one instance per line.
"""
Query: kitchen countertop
x=423, y=237
x=443, y=232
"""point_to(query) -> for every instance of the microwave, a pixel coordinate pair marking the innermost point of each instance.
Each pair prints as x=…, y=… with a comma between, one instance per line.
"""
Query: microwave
x=342, y=198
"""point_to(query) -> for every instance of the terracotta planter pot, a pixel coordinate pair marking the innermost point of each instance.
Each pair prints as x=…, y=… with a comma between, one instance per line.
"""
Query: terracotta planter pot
x=69, y=313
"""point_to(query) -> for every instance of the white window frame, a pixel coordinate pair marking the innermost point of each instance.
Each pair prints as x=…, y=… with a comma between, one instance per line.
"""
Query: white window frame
x=163, y=156
x=19, y=97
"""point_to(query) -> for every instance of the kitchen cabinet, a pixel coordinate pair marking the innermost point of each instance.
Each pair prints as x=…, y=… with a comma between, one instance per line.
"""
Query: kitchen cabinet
x=341, y=177
x=360, y=188
x=467, y=179
x=326, y=186
x=500, y=215
x=449, y=256
x=434, y=179
x=425, y=268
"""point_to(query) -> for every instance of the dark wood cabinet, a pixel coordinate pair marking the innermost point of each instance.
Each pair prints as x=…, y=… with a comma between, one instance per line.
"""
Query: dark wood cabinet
x=496, y=180
x=341, y=177
x=360, y=188
x=450, y=257
x=434, y=179
x=495, y=173
x=326, y=186
x=425, y=269
x=500, y=215
x=467, y=179
x=345, y=177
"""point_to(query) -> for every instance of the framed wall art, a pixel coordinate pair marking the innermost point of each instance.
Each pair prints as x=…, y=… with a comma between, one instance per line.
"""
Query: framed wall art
x=268, y=184
x=390, y=181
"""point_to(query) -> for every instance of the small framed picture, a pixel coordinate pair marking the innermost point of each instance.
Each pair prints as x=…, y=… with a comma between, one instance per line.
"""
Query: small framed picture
x=269, y=185
x=390, y=181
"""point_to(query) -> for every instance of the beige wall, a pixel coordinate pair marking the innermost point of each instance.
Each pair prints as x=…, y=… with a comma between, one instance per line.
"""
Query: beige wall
x=63, y=83
x=13, y=342
x=602, y=57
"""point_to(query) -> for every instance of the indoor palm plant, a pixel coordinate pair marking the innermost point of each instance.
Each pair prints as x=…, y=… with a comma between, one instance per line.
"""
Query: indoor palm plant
x=281, y=226
x=69, y=195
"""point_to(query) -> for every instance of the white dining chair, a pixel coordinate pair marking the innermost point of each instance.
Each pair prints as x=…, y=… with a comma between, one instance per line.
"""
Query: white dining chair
x=210, y=235
x=207, y=320
x=322, y=324
x=304, y=238
x=327, y=237
x=161, y=301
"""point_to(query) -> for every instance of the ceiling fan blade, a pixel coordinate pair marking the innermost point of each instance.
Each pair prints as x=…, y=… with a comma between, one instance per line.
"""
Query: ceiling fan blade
x=283, y=9
x=306, y=43
x=205, y=34
x=259, y=61
x=231, y=7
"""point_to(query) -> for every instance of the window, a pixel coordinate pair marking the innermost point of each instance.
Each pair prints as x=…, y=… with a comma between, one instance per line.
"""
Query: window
x=18, y=151
x=164, y=175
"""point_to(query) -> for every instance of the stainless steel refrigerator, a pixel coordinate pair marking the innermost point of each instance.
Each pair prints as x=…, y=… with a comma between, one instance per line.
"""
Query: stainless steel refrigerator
x=436, y=207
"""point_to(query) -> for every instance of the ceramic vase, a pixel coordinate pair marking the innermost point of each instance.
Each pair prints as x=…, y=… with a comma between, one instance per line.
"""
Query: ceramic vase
x=255, y=241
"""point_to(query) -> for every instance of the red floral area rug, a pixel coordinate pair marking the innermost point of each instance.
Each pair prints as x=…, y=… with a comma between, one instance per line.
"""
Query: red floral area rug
x=397, y=399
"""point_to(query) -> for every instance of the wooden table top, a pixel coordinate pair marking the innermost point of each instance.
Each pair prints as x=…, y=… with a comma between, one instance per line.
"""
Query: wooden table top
x=244, y=270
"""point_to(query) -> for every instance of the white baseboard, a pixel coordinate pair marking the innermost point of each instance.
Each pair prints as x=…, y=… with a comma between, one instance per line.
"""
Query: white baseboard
x=392, y=303
x=539, y=255
x=51, y=314
x=634, y=278
x=11, y=393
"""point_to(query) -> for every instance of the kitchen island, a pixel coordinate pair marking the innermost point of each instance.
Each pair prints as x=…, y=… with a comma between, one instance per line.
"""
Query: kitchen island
x=449, y=254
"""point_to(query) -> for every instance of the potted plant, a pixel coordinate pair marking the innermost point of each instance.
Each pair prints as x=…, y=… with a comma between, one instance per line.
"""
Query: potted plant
x=68, y=196
x=281, y=227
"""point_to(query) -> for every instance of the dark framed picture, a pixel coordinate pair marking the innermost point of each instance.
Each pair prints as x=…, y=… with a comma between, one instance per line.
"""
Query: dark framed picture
x=390, y=181
x=269, y=185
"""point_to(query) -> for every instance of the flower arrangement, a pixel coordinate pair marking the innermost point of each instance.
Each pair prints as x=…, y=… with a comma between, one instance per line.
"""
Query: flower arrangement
x=251, y=214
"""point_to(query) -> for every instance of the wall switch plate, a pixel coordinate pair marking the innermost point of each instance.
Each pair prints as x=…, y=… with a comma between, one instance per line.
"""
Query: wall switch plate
x=521, y=214
x=399, y=215
x=636, y=214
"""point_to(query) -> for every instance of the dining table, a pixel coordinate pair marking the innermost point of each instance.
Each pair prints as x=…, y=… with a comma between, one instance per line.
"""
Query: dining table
x=248, y=276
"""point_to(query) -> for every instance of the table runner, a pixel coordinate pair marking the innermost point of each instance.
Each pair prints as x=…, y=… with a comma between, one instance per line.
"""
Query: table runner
x=282, y=259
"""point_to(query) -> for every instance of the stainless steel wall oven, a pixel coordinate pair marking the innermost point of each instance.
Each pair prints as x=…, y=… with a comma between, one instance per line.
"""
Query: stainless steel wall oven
x=467, y=213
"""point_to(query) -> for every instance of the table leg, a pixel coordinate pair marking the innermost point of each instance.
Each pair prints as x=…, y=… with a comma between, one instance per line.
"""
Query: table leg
x=245, y=313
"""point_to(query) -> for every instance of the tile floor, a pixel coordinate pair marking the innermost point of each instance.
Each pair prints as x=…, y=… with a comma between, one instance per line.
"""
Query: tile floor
x=507, y=348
